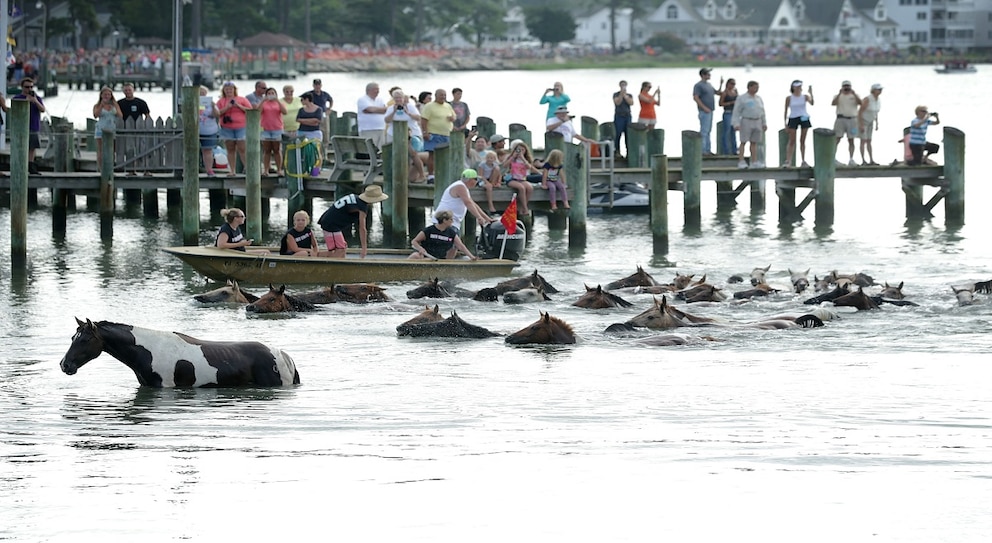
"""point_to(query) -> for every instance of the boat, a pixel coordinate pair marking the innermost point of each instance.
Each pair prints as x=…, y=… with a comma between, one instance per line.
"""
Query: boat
x=955, y=67
x=626, y=197
x=380, y=265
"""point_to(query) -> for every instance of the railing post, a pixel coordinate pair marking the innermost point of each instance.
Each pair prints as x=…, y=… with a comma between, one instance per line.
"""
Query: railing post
x=824, y=173
x=659, y=204
x=20, y=111
x=692, y=172
x=253, y=174
x=191, y=166
x=954, y=175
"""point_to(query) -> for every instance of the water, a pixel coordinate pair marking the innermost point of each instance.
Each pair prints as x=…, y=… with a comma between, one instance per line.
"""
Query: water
x=875, y=427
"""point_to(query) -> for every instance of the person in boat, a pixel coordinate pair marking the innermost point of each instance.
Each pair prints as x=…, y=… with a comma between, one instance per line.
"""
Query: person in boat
x=230, y=235
x=346, y=211
x=439, y=240
x=458, y=200
x=300, y=240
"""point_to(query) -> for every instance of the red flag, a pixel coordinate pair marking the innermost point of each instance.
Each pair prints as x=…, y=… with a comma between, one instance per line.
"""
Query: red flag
x=509, y=218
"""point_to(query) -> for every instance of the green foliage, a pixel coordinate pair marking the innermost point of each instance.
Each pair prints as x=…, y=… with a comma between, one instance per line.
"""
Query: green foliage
x=550, y=25
x=485, y=21
x=667, y=42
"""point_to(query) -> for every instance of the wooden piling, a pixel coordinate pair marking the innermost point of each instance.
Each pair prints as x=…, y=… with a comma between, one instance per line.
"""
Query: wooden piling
x=191, y=166
x=519, y=132
x=589, y=128
x=608, y=132
x=824, y=172
x=637, y=145
x=18, y=127
x=485, y=127
x=783, y=148
x=253, y=175
x=387, y=186
x=659, y=204
x=61, y=133
x=692, y=171
x=442, y=172
x=400, y=195
x=656, y=144
x=458, y=153
x=108, y=193
x=954, y=176
x=578, y=157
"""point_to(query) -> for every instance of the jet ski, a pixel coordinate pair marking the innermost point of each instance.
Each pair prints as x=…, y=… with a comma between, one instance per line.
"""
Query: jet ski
x=626, y=197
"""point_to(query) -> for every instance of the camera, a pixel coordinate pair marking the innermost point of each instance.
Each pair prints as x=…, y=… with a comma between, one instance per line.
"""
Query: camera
x=934, y=114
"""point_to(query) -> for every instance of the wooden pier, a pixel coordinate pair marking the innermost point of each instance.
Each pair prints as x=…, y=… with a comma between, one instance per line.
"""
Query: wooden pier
x=405, y=211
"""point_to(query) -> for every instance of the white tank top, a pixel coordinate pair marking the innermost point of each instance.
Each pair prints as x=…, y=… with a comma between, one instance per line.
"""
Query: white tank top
x=453, y=204
x=871, y=112
x=797, y=106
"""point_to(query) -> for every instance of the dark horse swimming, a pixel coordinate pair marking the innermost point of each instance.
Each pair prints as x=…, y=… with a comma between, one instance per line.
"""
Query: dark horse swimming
x=170, y=359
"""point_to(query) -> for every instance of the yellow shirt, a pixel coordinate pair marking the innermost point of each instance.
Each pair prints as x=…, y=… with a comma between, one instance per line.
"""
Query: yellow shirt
x=437, y=118
x=289, y=119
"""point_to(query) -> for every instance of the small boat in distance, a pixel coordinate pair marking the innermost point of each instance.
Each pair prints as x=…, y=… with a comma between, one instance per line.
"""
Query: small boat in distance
x=380, y=265
x=955, y=67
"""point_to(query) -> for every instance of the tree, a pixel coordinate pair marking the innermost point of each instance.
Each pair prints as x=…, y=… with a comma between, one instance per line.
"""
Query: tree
x=486, y=20
x=550, y=25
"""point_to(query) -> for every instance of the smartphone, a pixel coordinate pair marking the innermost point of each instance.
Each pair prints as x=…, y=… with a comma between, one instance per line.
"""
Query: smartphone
x=475, y=128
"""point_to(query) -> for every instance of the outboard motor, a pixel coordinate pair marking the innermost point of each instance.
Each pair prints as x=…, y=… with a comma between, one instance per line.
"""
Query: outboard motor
x=490, y=241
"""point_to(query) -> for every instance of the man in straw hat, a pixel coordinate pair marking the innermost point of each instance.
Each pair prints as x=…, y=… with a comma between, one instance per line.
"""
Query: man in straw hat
x=346, y=211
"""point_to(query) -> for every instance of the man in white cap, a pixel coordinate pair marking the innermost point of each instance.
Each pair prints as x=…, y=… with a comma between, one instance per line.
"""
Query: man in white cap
x=868, y=122
x=562, y=124
x=457, y=199
x=346, y=211
x=847, y=103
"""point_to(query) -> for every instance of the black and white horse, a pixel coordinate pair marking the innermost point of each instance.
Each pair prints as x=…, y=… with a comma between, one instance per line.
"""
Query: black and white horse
x=170, y=359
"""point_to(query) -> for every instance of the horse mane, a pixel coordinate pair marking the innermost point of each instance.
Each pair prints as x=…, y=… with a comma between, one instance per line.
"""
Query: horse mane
x=558, y=321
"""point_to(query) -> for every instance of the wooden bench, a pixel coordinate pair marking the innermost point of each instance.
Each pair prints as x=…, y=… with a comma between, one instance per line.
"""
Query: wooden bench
x=352, y=153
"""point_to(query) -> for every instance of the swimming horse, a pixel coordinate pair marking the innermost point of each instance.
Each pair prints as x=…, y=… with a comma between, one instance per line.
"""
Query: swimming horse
x=355, y=293
x=533, y=280
x=171, y=359
x=229, y=293
x=546, y=330
x=597, y=298
x=277, y=301
x=427, y=315
x=639, y=278
x=453, y=326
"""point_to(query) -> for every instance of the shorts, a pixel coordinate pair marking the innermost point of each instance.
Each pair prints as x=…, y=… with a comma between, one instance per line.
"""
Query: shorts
x=335, y=240
x=34, y=142
x=649, y=122
x=844, y=126
x=271, y=135
x=417, y=143
x=751, y=130
x=796, y=122
x=433, y=140
x=232, y=134
x=315, y=135
x=208, y=141
x=869, y=129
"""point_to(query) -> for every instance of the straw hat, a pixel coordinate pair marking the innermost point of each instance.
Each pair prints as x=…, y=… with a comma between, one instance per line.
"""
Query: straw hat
x=373, y=194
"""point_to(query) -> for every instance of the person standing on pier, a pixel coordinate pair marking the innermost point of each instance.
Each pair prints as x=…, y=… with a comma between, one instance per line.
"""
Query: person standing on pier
x=232, y=125
x=34, y=122
x=728, y=95
x=106, y=111
x=796, y=117
x=749, y=118
x=704, y=95
x=462, y=112
x=132, y=107
x=372, y=115
x=648, y=101
x=437, y=120
x=622, y=100
x=555, y=99
x=258, y=95
x=324, y=101
x=209, y=129
x=847, y=103
x=868, y=122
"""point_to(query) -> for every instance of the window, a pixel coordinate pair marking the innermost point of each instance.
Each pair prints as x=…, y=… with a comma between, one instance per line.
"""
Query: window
x=921, y=2
x=921, y=16
x=729, y=11
x=905, y=2
x=880, y=13
x=672, y=12
x=783, y=22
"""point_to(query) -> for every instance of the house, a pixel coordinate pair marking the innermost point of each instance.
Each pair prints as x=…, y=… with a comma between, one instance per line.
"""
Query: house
x=593, y=28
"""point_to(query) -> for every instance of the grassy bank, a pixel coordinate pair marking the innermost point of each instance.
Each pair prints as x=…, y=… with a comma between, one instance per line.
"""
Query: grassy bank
x=629, y=60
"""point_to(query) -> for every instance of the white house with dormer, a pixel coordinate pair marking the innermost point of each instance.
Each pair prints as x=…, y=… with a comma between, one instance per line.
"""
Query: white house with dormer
x=593, y=28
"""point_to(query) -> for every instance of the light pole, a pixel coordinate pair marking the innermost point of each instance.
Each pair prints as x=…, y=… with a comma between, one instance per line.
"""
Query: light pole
x=44, y=23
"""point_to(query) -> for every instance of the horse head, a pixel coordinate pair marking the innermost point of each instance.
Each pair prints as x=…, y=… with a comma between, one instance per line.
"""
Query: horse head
x=758, y=275
x=640, y=278
x=965, y=295
x=597, y=298
x=530, y=281
x=892, y=292
x=526, y=296
x=858, y=300
x=659, y=317
x=453, y=326
x=229, y=293
x=273, y=301
x=487, y=294
x=361, y=293
x=427, y=315
x=800, y=282
x=682, y=281
x=546, y=330
x=430, y=289
x=86, y=345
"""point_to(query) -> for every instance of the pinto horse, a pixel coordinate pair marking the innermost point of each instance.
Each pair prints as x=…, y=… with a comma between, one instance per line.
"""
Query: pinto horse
x=277, y=301
x=547, y=330
x=230, y=293
x=170, y=359
x=597, y=298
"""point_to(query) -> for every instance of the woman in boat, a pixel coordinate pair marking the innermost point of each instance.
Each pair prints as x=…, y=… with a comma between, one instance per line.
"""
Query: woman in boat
x=230, y=235
x=300, y=240
x=346, y=211
x=439, y=241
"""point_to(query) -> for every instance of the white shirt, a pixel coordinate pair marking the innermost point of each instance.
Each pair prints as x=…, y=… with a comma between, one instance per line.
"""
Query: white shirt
x=370, y=121
x=412, y=120
x=566, y=129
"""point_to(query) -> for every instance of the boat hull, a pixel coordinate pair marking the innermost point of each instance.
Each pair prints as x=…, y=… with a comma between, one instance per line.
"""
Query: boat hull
x=383, y=265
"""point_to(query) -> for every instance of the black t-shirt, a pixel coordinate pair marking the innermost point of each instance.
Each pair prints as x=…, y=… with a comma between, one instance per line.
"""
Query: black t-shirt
x=342, y=214
x=436, y=242
x=133, y=108
x=623, y=108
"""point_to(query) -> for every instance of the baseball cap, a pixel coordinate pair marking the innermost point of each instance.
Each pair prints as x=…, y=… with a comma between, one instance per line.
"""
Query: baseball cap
x=876, y=86
x=469, y=173
x=496, y=138
x=703, y=71
x=317, y=82
x=797, y=83
x=561, y=109
x=845, y=83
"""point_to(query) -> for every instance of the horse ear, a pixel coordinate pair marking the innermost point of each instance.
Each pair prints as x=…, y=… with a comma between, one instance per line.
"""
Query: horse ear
x=437, y=308
x=546, y=317
x=282, y=289
x=768, y=267
x=79, y=322
x=900, y=285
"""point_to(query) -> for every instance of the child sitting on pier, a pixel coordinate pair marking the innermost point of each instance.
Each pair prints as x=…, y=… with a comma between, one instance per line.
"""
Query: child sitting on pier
x=554, y=179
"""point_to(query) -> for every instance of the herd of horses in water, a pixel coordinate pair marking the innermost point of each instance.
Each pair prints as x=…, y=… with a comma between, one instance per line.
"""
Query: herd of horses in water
x=165, y=359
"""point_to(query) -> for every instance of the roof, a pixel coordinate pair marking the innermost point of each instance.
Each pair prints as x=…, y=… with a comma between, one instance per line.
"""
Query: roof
x=269, y=39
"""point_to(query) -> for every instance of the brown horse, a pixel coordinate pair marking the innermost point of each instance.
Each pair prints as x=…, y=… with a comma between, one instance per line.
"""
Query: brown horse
x=701, y=293
x=427, y=315
x=277, y=301
x=431, y=289
x=453, y=326
x=661, y=316
x=597, y=298
x=546, y=330
x=230, y=293
x=533, y=280
x=355, y=293
x=858, y=300
x=892, y=292
x=640, y=278
x=760, y=289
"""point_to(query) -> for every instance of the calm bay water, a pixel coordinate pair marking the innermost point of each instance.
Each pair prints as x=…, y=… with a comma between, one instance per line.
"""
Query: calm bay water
x=873, y=428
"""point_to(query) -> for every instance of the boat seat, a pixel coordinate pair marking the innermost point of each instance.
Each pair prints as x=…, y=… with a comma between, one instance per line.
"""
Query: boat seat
x=353, y=153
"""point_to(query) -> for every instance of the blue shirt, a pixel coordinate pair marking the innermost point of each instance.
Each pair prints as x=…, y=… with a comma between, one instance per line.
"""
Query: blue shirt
x=918, y=134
